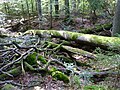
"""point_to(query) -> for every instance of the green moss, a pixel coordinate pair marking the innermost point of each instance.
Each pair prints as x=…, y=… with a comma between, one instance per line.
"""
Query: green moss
x=98, y=40
x=74, y=37
x=14, y=72
x=94, y=87
x=32, y=59
x=9, y=87
x=60, y=76
x=55, y=33
x=53, y=69
x=109, y=42
x=42, y=59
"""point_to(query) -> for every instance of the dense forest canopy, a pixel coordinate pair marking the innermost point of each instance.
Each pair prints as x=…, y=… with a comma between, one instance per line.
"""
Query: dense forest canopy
x=59, y=44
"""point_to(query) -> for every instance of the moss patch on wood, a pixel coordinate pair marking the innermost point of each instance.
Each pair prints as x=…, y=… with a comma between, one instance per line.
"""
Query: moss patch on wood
x=94, y=40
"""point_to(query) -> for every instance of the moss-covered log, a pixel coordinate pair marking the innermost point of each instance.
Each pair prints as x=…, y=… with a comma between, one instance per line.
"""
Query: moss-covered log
x=112, y=43
x=71, y=49
x=74, y=51
x=97, y=28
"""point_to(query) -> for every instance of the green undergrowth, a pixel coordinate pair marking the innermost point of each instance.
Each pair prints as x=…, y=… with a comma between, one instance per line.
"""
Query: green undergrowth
x=85, y=84
x=9, y=87
x=105, y=59
x=94, y=87
x=58, y=75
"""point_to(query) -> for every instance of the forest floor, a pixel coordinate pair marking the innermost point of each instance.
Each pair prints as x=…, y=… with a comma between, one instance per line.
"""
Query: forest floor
x=38, y=82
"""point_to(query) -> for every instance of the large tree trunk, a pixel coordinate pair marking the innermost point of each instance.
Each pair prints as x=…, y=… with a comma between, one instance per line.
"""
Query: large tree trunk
x=87, y=39
x=116, y=22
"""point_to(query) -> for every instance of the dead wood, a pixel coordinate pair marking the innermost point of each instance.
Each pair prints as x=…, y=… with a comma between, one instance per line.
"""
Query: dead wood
x=109, y=43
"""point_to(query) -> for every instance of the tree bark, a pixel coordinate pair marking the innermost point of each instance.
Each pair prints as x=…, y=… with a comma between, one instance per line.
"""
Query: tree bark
x=116, y=21
x=51, y=18
x=39, y=8
x=67, y=9
x=28, y=9
x=73, y=50
x=109, y=43
x=74, y=2
x=56, y=8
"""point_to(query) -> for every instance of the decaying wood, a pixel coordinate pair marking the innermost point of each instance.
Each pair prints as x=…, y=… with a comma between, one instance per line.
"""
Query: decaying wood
x=73, y=54
x=73, y=50
x=17, y=60
x=4, y=70
x=95, y=29
x=111, y=43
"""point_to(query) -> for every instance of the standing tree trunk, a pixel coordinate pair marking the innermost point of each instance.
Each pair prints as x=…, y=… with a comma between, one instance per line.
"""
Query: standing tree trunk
x=77, y=4
x=56, y=8
x=32, y=6
x=93, y=16
x=74, y=6
x=51, y=14
x=116, y=21
x=39, y=8
x=28, y=12
x=67, y=9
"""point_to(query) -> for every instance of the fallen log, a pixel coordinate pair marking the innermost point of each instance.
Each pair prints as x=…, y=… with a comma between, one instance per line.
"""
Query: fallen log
x=97, y=28
x=109, y=43
x=72, y=50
